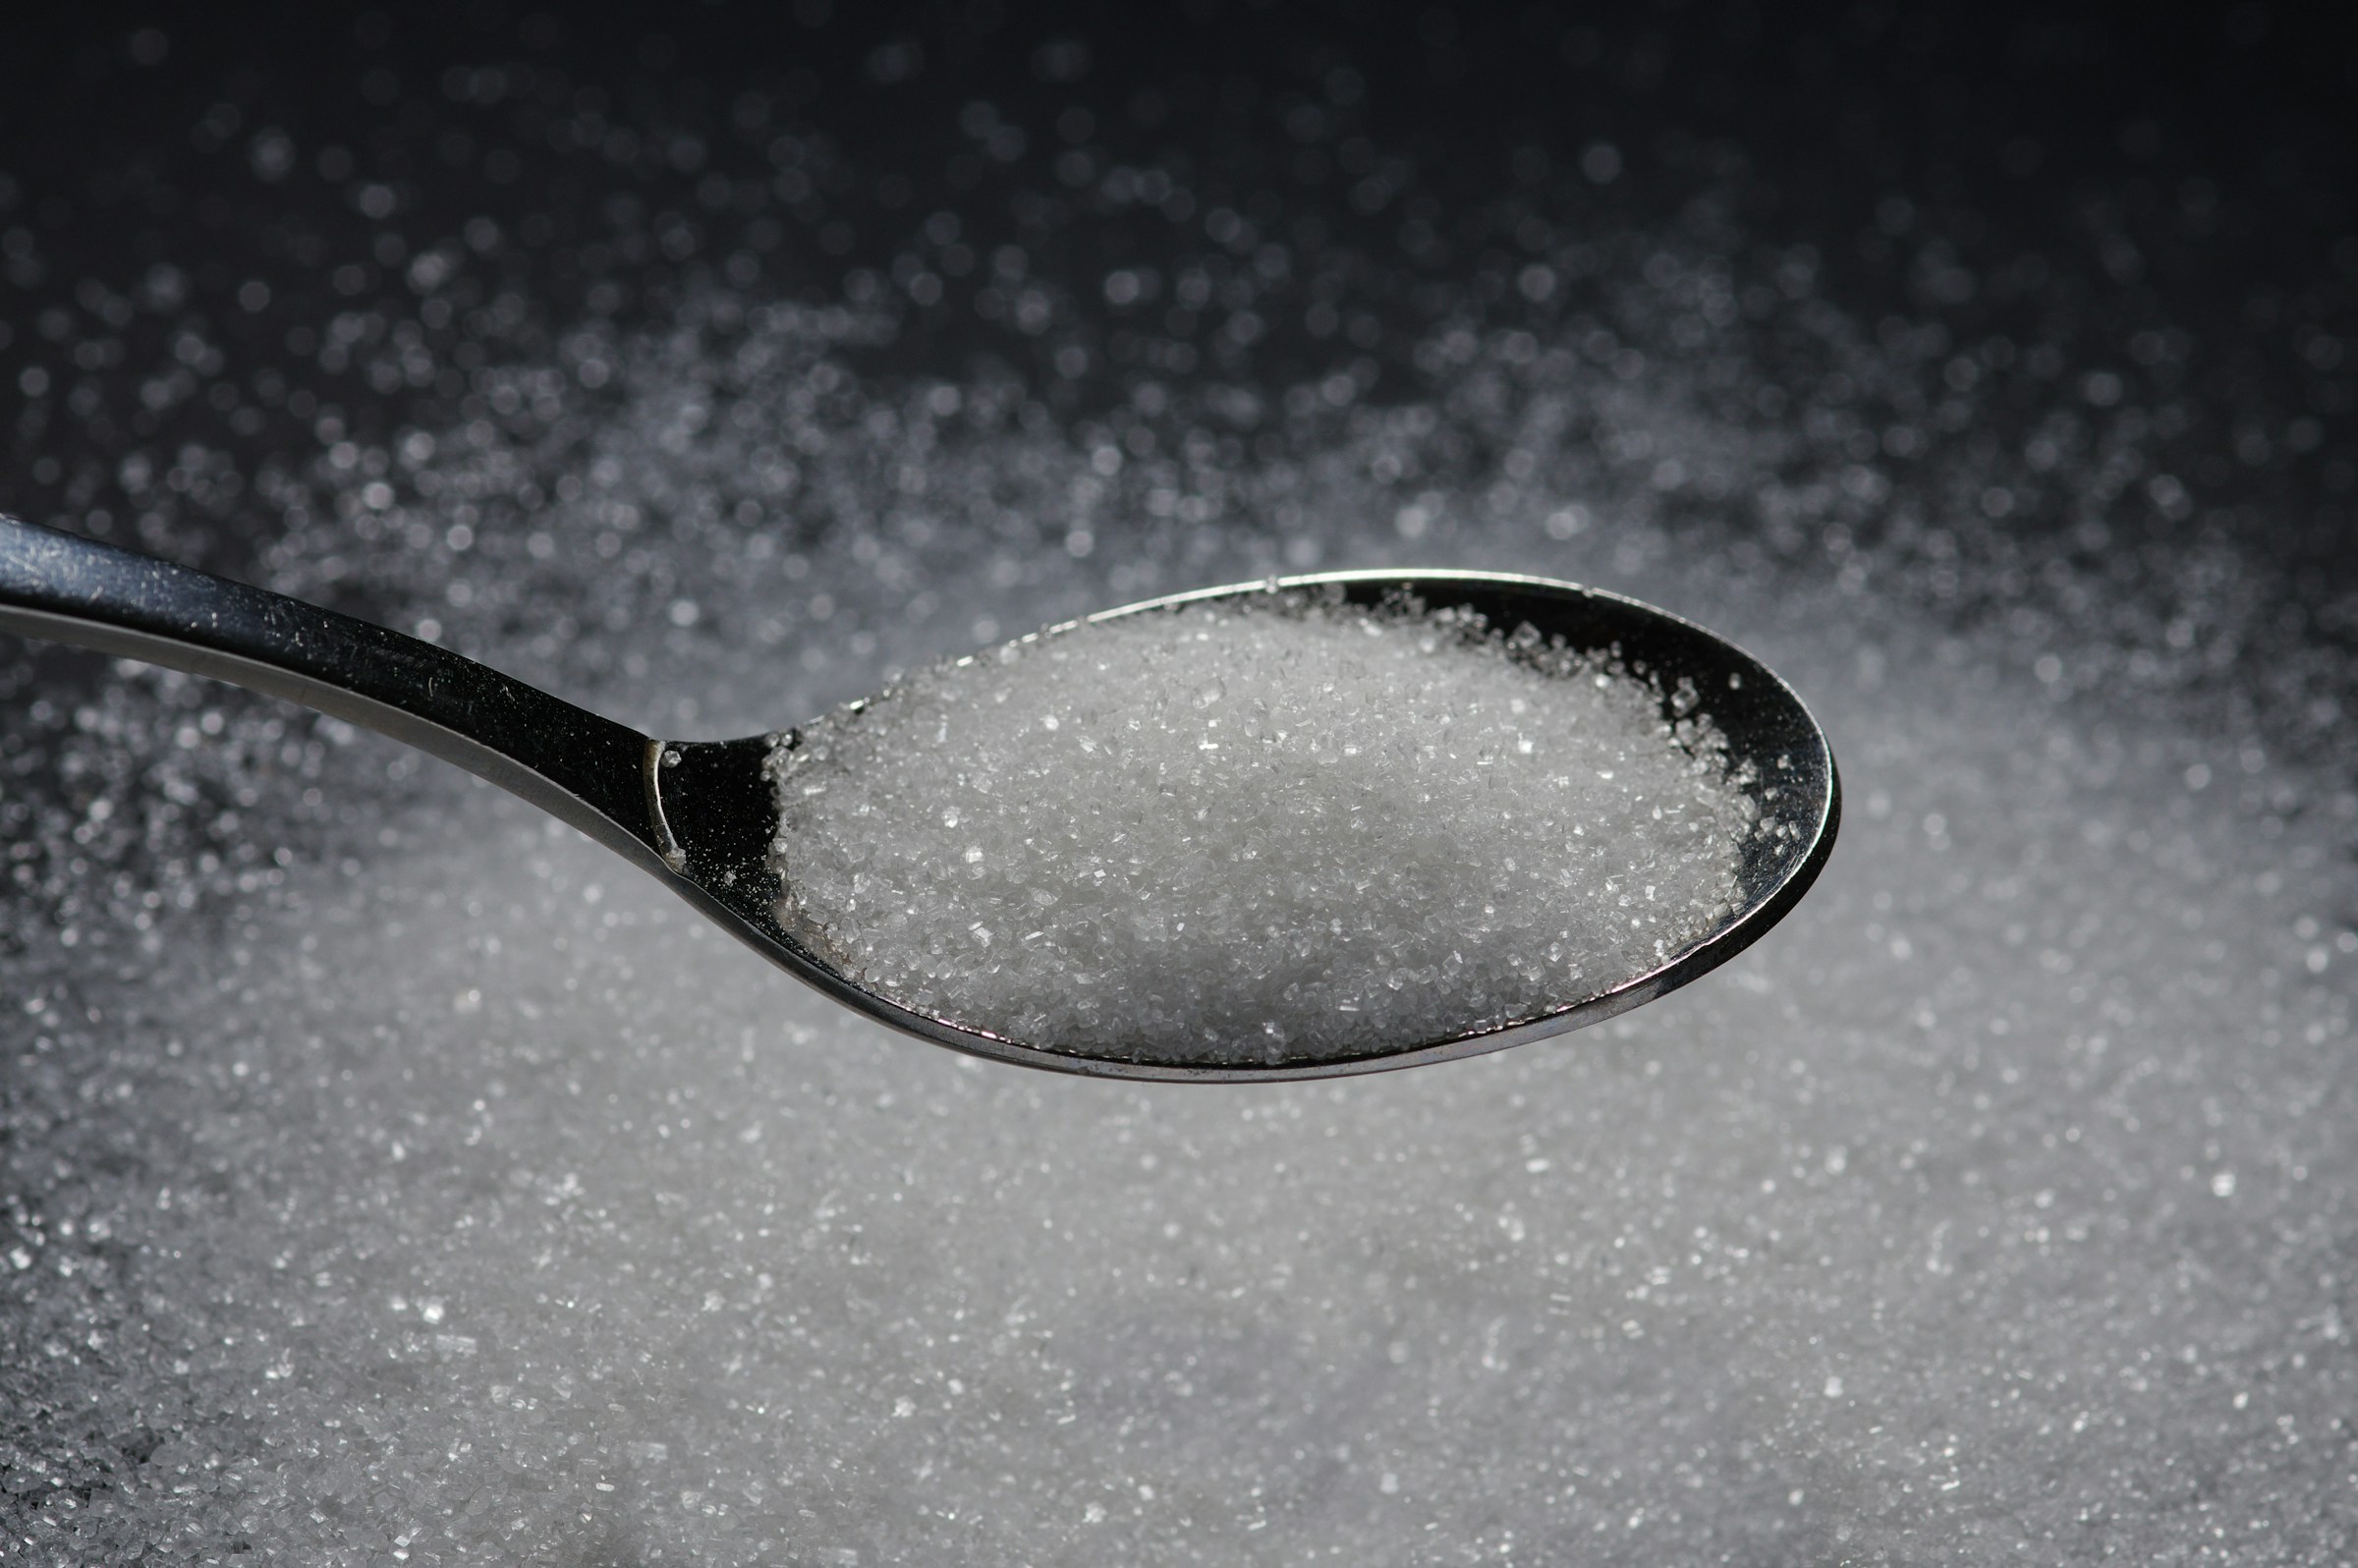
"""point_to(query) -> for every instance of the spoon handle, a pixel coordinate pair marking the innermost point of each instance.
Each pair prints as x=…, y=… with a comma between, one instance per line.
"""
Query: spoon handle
x=586, y=770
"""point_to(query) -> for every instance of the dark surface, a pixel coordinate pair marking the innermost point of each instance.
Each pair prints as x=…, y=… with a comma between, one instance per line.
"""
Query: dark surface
x=2189, y=168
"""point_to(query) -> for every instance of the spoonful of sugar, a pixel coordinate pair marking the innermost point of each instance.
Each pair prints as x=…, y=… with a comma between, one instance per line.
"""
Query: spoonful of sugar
x=1296, y=828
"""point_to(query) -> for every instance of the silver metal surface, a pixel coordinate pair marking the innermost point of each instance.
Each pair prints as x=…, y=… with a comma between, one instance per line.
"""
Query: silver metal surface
x=700, y=816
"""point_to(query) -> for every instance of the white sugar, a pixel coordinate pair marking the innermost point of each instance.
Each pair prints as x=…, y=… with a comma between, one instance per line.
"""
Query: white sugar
x=1257, y=830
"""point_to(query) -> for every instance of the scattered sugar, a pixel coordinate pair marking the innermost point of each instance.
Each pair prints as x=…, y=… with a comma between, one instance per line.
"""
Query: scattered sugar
x=1265, y=829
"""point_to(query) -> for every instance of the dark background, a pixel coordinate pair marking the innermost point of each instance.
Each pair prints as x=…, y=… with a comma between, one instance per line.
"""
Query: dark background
x=2188, y=165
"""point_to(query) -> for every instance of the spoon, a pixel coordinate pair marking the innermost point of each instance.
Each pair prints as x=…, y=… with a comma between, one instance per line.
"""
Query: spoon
x=700, y=816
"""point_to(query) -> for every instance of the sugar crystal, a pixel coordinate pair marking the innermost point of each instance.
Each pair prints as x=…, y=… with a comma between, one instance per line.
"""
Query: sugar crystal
x=1275, y=829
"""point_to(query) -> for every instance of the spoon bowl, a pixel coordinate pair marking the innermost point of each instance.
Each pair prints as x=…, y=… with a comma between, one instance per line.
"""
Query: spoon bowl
x=702, y=815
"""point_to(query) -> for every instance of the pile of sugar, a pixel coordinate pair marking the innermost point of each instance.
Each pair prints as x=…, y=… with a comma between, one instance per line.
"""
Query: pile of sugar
x=1276, y=828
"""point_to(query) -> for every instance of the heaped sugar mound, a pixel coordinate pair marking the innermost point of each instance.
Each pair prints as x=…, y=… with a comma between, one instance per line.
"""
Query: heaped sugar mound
x=1275, y=829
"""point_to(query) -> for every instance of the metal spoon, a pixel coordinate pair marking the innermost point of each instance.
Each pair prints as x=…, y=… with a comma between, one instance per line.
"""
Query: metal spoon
x=700, y=816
